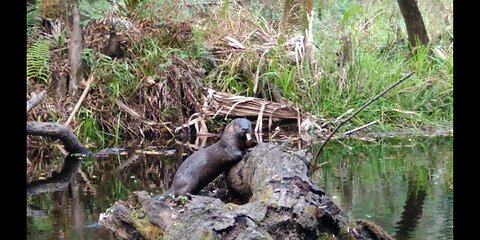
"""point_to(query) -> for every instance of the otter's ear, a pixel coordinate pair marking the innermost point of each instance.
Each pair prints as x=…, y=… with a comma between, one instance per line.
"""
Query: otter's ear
x=235, y=123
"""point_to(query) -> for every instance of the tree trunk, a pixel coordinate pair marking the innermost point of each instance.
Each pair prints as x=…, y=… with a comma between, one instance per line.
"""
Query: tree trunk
x=75, y=47
x=283, y=204
x=414, y=22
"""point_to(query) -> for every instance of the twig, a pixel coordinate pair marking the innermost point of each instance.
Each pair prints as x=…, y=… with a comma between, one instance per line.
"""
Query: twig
x=84, y=94
x=360, y=128
x=299, y=122
x=259, y=126
x=324, y=163
x=345, y=113
x=35, y=99
x=317, y=154
x=31, y=10
x=255, y=87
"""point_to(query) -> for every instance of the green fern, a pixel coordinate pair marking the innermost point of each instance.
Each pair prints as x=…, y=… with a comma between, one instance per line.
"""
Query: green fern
x=132, y=5
x=33, y=17
x=38, y=61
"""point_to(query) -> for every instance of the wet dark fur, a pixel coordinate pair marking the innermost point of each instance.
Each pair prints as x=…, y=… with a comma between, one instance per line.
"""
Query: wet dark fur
x=205, y=165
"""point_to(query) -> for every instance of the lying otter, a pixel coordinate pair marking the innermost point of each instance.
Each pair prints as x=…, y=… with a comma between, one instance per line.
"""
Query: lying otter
x=205, y=165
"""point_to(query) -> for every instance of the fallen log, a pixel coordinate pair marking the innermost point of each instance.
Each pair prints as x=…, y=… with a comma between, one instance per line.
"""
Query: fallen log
x=59, y=131
x=51, y=129
x=282, y=204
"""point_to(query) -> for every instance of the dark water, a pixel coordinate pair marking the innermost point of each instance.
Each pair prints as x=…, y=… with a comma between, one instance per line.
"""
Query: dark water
x=70, y=207
x=405, y=187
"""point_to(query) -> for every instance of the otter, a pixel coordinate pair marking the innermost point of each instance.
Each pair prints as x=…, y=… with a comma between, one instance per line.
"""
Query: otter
x=206, y=164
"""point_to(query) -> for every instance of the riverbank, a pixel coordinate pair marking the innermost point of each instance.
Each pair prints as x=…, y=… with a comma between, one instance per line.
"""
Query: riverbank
x=357, y=49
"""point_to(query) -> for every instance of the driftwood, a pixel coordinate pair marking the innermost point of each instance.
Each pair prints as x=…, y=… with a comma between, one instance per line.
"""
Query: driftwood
x=282, y=204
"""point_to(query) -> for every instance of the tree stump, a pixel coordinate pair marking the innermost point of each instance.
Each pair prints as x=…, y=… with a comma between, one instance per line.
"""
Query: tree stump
x=282, y=203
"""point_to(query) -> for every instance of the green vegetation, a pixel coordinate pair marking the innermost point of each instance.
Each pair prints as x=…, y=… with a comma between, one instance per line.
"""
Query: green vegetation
x=89, y=130
x=33, y=18
x=38, y=57
x=359, y=48
x=379, y=57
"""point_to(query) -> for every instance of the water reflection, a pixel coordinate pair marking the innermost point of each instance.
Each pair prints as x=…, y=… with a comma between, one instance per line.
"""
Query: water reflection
x=66, y=204
x=412, y=211
x=404, y=186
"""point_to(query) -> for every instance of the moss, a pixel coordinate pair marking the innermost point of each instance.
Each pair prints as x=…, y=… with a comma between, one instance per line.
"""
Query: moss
x=143, y=225
x=265, y=195
x=152, y=232
x=345, y=234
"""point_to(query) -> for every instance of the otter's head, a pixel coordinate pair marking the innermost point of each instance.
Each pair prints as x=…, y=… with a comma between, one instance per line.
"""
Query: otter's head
x=239, y=132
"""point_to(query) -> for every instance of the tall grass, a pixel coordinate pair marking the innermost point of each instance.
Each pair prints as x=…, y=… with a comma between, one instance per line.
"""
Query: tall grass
x=379, y=56
x=89, y=130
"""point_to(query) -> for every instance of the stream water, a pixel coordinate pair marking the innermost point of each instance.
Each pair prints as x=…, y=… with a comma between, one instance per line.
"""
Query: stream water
x=405, y=186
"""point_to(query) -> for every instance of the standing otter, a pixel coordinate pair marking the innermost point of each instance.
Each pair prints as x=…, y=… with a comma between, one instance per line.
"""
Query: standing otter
x=205, y=165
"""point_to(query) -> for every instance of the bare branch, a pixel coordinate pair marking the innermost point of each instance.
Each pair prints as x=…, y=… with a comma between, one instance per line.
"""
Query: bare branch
x=317, y=154
x=84, y=94
x=360, y=128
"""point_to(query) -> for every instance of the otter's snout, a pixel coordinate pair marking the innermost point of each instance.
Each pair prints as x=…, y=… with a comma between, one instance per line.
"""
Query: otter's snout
x=249, y=139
